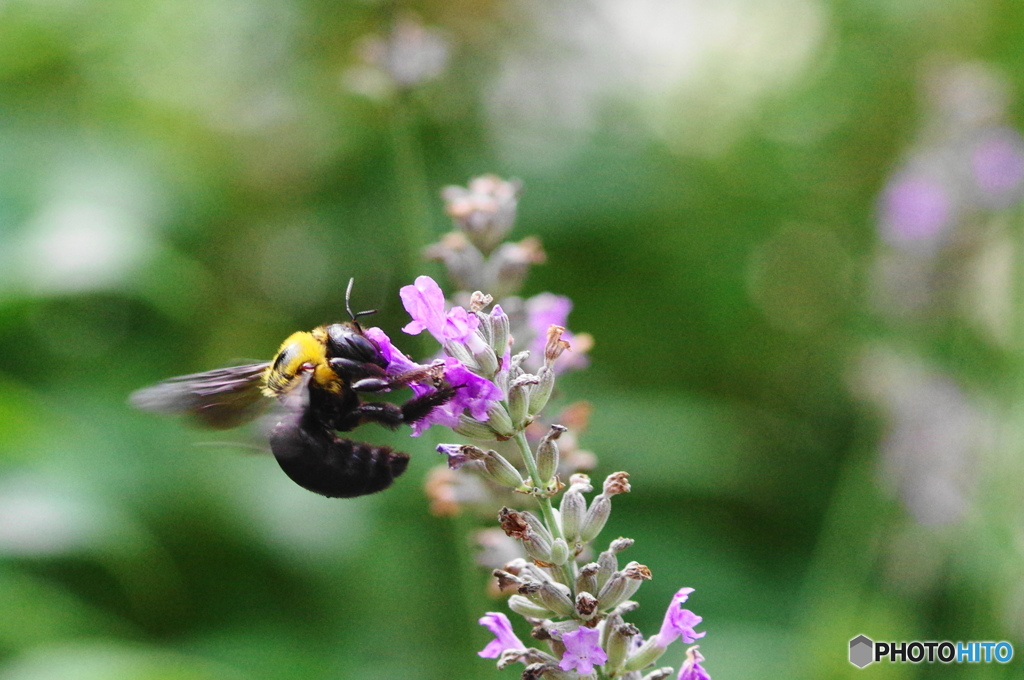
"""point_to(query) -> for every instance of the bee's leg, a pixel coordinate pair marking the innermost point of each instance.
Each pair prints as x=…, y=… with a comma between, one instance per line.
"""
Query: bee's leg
x=419, y=407
x=368, y=377
x=338, y=468
x=391, y=415
x=355, y=372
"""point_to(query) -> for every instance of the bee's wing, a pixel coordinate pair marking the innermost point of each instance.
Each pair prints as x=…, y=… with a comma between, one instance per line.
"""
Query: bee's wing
x=221, y=399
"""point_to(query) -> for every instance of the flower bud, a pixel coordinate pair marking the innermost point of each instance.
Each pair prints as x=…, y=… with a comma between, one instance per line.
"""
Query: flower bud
x=586, y=605
x=523, y=656
x=607, y=561
x=501, y=472
x=659, y=674
x=501, y=379
x=621, y=586
x=572, y=509
x=547, y=455
x=474, y=429
x=524, y=607
x=518, y=400
x=499, y=330
x=515, y=368
x=559, y=551
x=601, y=507
x=506, y=580
x=611, y=620
x=463, y=354
x=531, y=591
x=586, y=580
x=650, y=651
x=541, y=392
x=486, y=362
x=596, y=517
x=498, y=420
x=556, y=629
x=525, y=527
x=536, y=524
x=620, y=640
x=556, y=597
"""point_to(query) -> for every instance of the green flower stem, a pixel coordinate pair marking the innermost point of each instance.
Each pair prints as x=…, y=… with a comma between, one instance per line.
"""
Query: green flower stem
x=546, y=510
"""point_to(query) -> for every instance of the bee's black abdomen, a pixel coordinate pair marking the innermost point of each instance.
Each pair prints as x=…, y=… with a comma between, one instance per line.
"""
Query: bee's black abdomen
x=338, y=468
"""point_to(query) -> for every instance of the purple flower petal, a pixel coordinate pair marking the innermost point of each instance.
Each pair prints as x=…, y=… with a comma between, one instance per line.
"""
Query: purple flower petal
x=504, y=638
x=473, y=394
x=915, y=209
x=542, y=311
x=424, y=301
x=397, y=361
x=997, y=162
x=679, y=622
x=691, y=668
x=582, y=650
x=456, y=456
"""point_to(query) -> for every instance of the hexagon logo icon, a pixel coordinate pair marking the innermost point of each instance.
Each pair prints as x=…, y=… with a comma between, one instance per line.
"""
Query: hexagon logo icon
x=861, y=651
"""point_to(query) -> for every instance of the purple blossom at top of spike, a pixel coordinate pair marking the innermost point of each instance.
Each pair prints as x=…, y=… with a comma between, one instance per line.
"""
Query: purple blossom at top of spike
x=543, y=311
x=582, y=650
x=473, y=394
x=504, y=638
x=915, y=209
x=679, y=622
x=424, y=301
x=997, y=164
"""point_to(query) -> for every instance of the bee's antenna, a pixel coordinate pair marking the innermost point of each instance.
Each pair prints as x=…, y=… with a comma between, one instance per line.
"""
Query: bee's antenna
x=348, y=305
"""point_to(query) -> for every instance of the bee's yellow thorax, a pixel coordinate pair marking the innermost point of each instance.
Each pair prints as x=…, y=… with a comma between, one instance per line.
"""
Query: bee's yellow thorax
x=299, y=349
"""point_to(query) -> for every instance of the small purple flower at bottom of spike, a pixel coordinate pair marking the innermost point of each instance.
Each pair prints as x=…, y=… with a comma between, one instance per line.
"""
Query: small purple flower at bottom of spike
x=582, y=651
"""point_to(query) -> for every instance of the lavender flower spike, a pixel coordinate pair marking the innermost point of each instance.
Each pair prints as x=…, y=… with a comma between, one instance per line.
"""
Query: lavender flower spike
x=504, y=638
x=679, y=622
x=582, y=650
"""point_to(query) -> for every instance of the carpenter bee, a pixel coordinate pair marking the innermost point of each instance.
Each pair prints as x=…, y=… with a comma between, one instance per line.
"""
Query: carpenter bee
x=318, y=377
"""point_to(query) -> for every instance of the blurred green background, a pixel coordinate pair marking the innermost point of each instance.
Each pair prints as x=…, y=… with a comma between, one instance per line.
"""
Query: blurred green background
x=818, y=392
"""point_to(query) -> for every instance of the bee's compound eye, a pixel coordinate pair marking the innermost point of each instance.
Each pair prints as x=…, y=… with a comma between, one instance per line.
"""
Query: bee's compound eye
x=347, y=342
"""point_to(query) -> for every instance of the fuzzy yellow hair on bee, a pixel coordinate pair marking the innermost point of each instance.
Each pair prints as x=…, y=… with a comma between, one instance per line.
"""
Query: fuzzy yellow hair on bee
x=302, y=349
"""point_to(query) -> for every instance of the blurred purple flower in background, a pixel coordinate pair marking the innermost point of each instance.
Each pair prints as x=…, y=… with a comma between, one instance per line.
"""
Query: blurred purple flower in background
x=997, y=164
x=545, y=310
x=915, y=210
